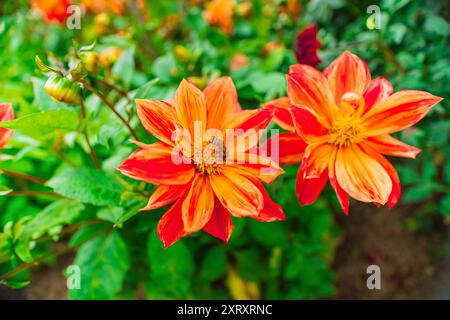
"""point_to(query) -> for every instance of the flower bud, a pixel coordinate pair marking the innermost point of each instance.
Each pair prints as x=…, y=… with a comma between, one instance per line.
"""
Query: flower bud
x=90, y=60
x=182, y=53
x=63, y=90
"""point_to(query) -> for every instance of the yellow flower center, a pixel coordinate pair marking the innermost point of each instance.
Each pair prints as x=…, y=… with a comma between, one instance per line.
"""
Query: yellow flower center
x=348, y=128
x=210, y=157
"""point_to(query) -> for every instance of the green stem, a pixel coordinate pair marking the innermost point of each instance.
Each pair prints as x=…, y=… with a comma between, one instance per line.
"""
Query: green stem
x=110, y=106
x=23, y=176
x=33, y=193
x=86, y=137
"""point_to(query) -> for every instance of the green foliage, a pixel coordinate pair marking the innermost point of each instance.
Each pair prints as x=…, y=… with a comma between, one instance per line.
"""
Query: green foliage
x=93, y=211
x=87, y=186
x=42, y=124
x=103, y=263
x=170, y=269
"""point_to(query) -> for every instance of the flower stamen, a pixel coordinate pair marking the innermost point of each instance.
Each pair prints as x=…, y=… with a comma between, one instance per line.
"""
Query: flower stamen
x=210, y=158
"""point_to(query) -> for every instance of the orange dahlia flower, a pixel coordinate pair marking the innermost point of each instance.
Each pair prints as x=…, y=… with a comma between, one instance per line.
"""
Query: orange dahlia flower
x=201, y=175
x=341, y=123
x=220, y=13
x=6, y=114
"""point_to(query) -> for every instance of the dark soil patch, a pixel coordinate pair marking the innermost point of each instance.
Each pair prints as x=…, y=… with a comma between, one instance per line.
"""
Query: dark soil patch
x=411, y=262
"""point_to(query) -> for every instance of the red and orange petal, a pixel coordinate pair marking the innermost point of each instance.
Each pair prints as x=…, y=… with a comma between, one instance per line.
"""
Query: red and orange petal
x=281, y=115
x=158, y=118
x=387, y=145
x=164, y=195
x=221, y=101
x=260, y=166
x=288, y=147
x=364, y=179
x=308, y=88
x=220, y=224
x=198, y=204
x=306, y=124
x=6, y=114
x=348, y=73
x=237, y=193
x=154, y=165
x=399, y=111
x=190, y=106
x=377, y=91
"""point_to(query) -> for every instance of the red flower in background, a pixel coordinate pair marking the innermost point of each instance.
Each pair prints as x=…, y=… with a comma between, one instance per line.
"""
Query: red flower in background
x=306, y=46
x=206, y=190
x=52, y=10
x=341, y=123
x=6, y=114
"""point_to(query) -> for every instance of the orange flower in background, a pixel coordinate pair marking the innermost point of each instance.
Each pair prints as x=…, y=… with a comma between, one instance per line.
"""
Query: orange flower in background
x=52, y=10
x=341, y=123
x=220, y=13
x=239, y=61
x=101, y=6
x=6, y=114
x=205, y=189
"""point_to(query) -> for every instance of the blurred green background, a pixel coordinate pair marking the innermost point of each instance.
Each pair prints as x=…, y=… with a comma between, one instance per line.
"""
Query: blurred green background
x=316, y=253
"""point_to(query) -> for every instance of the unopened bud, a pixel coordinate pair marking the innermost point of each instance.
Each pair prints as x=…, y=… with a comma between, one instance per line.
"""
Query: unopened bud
x=182, y=53
x=90, y=60
x=63, y=90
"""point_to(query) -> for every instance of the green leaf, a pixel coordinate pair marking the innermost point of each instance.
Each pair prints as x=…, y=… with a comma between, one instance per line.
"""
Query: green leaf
x=52, y=218
x=214, y=264
x=128, y=214
x=124, y=67
x=272, y=82
x=103, y=264
x=111, y=214
x=45, y=123
x=444, y=206
x=269, y=234
x=171, y=269
x=6, y=247
x=437, y=24
x=418, y=193
x=88, y=186
x=438, y=133
x=86, y=232
x=143, y=91
x=162, y=67
x=246, y=264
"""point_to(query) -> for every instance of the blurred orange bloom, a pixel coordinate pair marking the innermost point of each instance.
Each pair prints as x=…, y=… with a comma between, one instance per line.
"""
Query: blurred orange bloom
x=6, y=114
x=340, y=122
x=110, y=55
x=220, y=13
x=205, y=189
x=239, y=61
x=101, y=6
x=52, y=10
